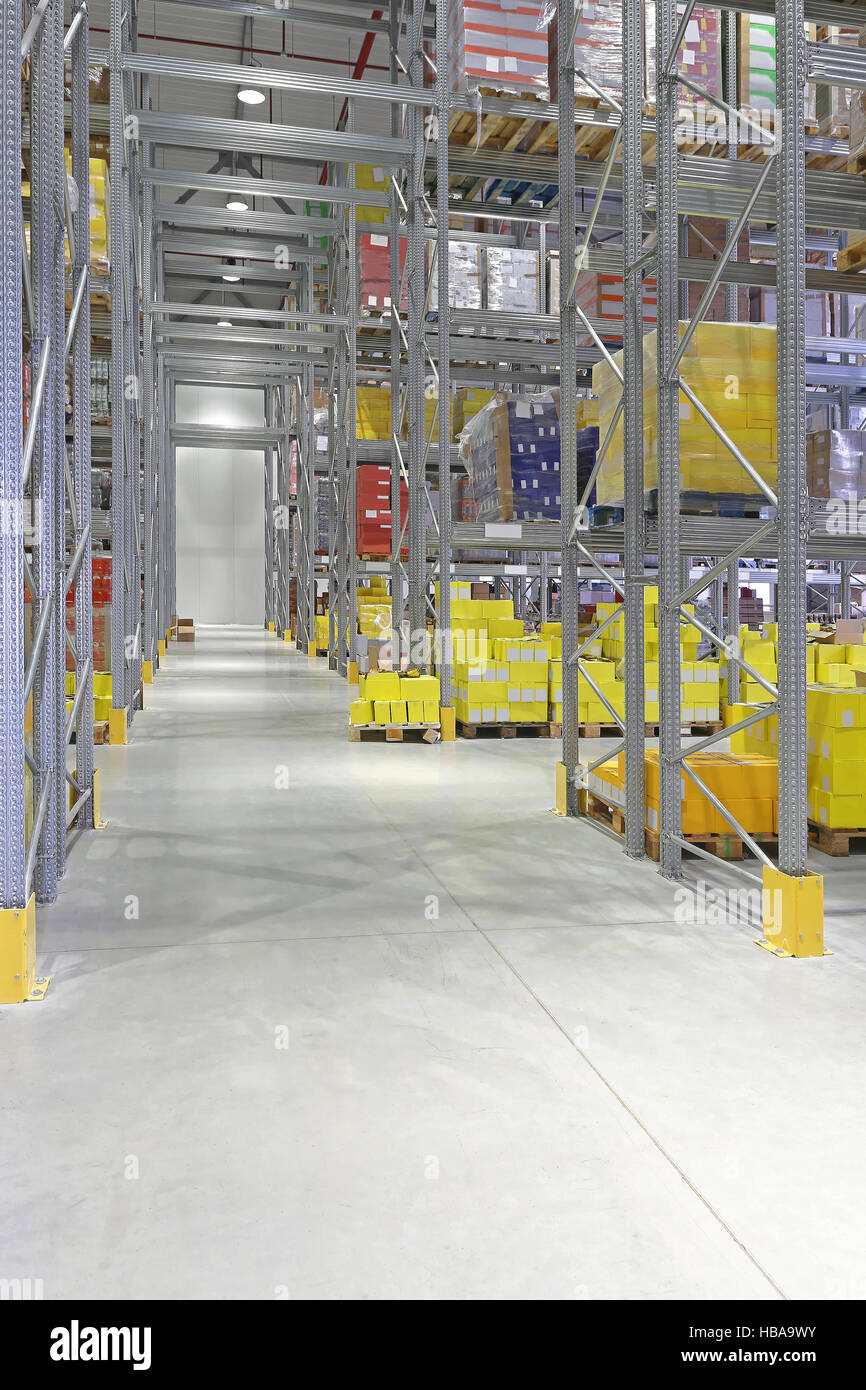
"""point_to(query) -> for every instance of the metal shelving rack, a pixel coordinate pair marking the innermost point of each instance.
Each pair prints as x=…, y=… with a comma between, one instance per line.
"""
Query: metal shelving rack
x=46, y=521
x=779, y=190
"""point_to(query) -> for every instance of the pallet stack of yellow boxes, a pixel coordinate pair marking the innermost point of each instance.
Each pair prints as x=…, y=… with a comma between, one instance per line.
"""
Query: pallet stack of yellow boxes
x=746, y=785
x=374, y=608
x=501, y=672
x=699, y=679
x=387, y=697
x=322, y=632
x=731, y=367
x=835, y=730
x=373, y=412
x=467, y=403
x=101, y=694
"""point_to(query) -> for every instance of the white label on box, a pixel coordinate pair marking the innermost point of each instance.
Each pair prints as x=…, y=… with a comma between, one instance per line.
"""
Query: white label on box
x=371, y=514
x=527, y=694
x=540, y=654
x=847, y=719
x=474, y=716
x=522, y=411
x=322, y=444
x=514, y=569
x=540, y=693
x=376, y=240
x=513, y=693
x=502, y=715
x=379, y=175
x=502, y=531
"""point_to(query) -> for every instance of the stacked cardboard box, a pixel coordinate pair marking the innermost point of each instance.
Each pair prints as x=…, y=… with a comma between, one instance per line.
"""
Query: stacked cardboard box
x=511, y=451
x=732, y=369
x=373, y=509
x=101, y=694
x=745, y=784
x=386, y=697
x=512, y=280
x=598, y=49
x=374, y=271
x=836, y=464
x=467, y=403
x=367, y=176
x=98, y=193
x=496, y=43
x=465, y=275
x=699, y=679
x=508, y=686
x=100, y=387
x=373, y=412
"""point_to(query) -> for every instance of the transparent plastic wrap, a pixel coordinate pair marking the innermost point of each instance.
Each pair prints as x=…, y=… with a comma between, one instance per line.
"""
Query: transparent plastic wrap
x=511, y=452
x=512, y=280
x=597, y=46
x=836, y=464
x=496, y=43
x=857, y=133
x=464, y=276
x=598, y=49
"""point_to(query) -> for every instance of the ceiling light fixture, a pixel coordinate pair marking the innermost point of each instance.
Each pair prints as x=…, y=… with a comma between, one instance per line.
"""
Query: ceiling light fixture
x=236, y=203
x=224, y=323
x=249, y=92
x=229, y=272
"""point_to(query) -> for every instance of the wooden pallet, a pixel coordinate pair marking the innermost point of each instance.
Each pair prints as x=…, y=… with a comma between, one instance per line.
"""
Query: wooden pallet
x=701, y=729
x=543, y=729
x=710, y=504
x=394, y=733
x=723, y=846
x=831, y=841
x=599, y=731
x=852, y=257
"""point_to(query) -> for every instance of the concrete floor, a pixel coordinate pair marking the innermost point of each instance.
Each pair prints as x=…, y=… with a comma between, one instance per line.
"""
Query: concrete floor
x=393, y=1030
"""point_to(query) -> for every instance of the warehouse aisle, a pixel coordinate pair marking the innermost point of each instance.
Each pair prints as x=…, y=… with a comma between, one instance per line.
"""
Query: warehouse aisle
x=334, y=1020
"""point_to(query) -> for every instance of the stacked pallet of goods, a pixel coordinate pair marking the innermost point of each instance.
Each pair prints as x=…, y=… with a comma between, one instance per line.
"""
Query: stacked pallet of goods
x=746, y=785
x=395, y=701
x=836, y=728
x=731, y=368
x=699, y=678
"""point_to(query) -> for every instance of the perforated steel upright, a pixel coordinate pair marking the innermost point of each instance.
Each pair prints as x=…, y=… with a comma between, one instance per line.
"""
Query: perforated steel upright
x=793, y=497
x=12, y=765
x=416, y=292
x=667, y=271
x=568, y=393
x=443, y=364
x=47, y=229
x=149, y=414
x=633, y=517
x=79, y=570
x=120, y=578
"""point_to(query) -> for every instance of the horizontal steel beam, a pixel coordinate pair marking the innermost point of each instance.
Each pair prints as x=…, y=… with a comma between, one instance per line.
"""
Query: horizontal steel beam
x=170, y=332
x=245, y=247
x=302, y=143
x=217, y=311
x=706, y=187
x=213, y=437
x=264, y=188
x=298, y=14
x=216, y=218
x=277, y=79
